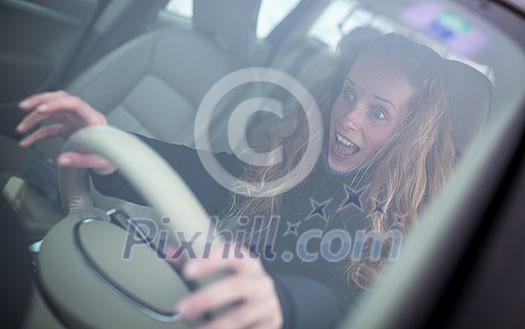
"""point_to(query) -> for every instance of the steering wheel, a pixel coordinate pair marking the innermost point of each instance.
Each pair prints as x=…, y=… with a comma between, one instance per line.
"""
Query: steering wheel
x=82, y=271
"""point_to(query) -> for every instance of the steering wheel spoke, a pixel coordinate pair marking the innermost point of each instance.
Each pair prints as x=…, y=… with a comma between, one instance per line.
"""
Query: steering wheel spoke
x=97, y=274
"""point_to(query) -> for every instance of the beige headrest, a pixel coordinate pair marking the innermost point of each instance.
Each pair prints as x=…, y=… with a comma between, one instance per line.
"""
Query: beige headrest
x=234, y=29
x=470, y=102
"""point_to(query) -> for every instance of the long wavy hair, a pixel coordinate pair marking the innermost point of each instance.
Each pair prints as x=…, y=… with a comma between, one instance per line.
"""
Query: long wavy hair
x=406, y=172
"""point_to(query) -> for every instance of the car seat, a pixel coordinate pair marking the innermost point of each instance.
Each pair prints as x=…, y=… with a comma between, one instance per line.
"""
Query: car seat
x=151, y=85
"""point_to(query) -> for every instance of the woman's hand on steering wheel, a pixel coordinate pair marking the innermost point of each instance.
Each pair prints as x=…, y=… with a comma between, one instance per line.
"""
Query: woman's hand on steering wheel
x=249, y=284
x=70, y=114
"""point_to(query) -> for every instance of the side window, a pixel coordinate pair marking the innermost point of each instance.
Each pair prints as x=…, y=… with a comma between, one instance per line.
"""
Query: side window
x=342, y=16
x=271, y=13
x=182, y=8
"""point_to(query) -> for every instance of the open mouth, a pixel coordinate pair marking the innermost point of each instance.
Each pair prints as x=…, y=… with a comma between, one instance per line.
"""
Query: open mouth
x=344, y=147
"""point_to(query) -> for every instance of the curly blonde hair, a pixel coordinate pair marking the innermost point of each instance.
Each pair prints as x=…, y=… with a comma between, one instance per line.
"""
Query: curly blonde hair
x=407, y=171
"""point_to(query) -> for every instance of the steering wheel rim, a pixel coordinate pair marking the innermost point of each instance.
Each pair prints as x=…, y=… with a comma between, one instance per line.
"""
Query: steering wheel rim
x=158, y=188
x=72, y=238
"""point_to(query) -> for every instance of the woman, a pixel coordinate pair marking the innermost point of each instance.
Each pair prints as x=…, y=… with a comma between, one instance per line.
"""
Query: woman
x=388, y=149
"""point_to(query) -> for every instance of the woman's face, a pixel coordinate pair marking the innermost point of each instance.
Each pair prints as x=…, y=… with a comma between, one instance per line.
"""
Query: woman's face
x=372, y=103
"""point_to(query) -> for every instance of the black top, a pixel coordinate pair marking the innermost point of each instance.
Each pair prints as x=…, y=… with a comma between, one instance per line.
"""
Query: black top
x=314, y=231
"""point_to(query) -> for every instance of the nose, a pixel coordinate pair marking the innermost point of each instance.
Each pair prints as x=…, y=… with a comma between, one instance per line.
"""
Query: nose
x=352, y=119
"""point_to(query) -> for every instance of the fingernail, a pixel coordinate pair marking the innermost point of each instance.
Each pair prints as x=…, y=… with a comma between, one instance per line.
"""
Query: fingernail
x=190, y=270
x=64, y=161
x=41, y=108
x=20, y=127
x=183, y=308
x=24, y=103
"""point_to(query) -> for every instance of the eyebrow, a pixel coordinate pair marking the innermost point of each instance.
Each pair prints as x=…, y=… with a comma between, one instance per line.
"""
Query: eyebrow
x=375, y=96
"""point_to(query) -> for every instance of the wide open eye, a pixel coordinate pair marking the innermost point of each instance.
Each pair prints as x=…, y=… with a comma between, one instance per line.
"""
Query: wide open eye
x=348, y=95
x=378, y=113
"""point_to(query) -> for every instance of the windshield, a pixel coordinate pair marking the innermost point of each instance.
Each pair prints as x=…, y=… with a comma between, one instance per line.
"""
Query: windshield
x=320, y=145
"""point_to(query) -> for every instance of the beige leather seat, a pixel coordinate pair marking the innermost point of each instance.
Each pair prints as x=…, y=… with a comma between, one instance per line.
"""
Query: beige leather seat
x=152, y=85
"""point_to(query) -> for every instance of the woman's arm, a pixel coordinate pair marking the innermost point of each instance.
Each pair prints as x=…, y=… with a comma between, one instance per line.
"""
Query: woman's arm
x=263, y=300
x=186, y=162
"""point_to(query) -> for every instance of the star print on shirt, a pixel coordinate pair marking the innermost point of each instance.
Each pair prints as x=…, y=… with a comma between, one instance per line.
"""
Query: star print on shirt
x=318, y=209
x=292, y=228
x=379, y=206
x=399, y=219
x=353, y=197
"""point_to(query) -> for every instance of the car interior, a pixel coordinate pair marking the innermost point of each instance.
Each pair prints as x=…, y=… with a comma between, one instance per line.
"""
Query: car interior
x=148, y=65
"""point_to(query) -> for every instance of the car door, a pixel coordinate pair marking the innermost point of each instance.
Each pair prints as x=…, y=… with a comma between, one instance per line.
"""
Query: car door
x=38, y=39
